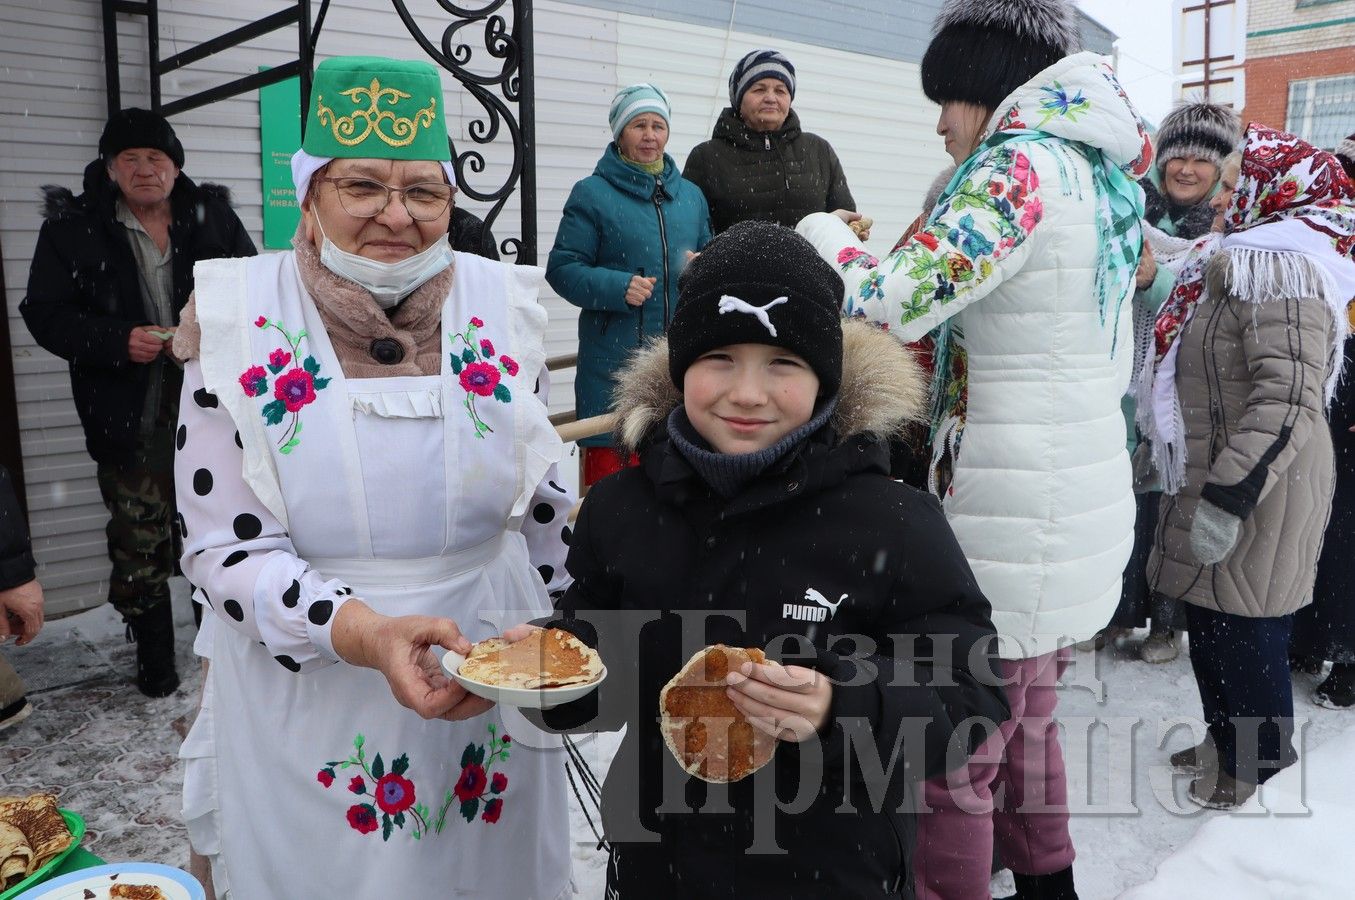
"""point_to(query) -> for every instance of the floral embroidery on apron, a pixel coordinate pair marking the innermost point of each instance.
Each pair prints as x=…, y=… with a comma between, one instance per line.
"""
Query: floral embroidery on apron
x=394, y=794
x=479, y=375
x=292, y=390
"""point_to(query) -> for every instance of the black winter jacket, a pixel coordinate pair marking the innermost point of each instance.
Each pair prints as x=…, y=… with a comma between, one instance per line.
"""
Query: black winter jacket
x=16, y=551
x=778, y=176
x=84, y=294
x=467, y=232
x=655, y=550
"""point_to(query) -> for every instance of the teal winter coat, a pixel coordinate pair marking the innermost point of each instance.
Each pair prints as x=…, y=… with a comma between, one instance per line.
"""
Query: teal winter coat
x=620, y=222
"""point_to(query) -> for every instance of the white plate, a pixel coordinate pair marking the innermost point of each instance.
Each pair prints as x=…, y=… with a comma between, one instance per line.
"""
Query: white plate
x=175, y=884
x=528, y=698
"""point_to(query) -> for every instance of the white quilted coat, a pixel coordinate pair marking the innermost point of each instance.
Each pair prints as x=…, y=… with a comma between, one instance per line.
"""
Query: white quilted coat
x=1040, y=499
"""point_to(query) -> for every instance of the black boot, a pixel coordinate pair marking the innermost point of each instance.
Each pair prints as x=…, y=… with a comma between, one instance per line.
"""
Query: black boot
x=1057, y=886
x=153, y=632
x=1337, y=691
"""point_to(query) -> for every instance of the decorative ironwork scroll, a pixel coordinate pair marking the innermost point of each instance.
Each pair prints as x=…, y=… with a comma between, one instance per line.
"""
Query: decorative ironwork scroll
x=513, y=78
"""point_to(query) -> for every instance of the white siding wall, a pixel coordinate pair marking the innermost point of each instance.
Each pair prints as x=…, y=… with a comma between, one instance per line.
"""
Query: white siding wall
x=52, y=108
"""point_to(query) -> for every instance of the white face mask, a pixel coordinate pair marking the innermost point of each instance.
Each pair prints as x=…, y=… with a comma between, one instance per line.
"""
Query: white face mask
x=389, y=283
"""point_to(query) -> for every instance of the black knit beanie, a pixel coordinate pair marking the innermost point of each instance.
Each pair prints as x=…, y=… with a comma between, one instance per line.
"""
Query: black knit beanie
x=139, y=128
x=983, y=50
x=759, y=283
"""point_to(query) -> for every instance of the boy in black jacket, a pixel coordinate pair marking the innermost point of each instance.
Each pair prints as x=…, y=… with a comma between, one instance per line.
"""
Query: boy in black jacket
x=762, y=515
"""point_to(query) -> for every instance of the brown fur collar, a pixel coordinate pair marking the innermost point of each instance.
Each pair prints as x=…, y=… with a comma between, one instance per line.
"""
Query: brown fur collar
x=883, y=388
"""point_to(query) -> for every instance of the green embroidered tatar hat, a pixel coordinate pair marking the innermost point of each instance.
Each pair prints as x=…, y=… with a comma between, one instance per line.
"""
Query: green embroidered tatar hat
x=376, y=108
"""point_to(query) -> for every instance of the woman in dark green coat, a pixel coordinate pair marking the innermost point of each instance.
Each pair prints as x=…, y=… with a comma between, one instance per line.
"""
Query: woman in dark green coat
x=626, y=233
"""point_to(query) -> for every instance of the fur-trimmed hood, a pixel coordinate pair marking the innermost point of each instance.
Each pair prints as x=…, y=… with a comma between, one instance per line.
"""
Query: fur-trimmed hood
x=60, y=202
x=883, y=388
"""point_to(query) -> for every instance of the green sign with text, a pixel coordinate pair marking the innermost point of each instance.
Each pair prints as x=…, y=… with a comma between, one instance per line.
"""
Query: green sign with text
x=279, y=136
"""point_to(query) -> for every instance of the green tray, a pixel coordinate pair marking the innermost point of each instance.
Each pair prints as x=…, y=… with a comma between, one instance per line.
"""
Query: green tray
x=77, y=827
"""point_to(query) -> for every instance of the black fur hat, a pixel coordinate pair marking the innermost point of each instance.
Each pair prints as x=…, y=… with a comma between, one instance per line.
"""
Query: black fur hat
x=985, y=49
x=759, y=283
x=1202, y=130
x=133, y=127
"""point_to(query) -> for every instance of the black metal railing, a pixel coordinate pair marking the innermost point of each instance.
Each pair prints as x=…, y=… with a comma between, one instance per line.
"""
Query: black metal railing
x=510, y=81
x=298, y=14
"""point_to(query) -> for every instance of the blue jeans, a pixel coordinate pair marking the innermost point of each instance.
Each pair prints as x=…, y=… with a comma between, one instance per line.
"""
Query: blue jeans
x=1242, y=670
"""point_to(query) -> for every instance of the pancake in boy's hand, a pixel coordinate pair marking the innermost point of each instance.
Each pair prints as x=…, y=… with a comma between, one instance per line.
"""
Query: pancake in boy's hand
x=707, y=734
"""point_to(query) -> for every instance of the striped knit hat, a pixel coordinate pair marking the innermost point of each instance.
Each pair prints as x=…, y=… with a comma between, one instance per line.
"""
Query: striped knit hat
x=633, y=100
x=1202, y=130
x=755, y=66
x=1345, y=152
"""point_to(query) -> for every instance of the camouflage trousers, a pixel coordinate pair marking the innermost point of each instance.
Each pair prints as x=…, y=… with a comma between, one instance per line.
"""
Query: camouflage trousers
x=11, y=685
x=143, y=543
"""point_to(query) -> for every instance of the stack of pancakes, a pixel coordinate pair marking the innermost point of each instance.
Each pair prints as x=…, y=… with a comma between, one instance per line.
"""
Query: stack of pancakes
x=32, y=833
x=549, y=658
x=707, y=734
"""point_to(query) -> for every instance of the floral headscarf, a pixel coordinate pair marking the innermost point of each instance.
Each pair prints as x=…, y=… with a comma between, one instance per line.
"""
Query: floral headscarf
x=1290, y=197
x=1281, y=178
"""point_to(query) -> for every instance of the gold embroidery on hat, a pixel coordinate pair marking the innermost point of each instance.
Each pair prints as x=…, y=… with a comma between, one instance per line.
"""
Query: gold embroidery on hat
x=403, y=129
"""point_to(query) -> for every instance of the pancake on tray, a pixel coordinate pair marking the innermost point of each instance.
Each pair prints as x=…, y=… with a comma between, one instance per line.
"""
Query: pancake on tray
x=549, y=658
x=706, y=733
x=15, y=856
x=45, y=833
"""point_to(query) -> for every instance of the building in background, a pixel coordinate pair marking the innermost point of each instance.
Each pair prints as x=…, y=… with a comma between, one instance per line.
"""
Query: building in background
x=1301, y=67
x=858, y=87
x=1285, y=63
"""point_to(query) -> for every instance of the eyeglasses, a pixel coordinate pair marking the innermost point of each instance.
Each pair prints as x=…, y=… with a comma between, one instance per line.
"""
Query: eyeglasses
x=365, y=197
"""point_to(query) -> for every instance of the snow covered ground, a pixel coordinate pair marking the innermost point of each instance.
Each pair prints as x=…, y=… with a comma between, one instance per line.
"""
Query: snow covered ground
x=1129, y=811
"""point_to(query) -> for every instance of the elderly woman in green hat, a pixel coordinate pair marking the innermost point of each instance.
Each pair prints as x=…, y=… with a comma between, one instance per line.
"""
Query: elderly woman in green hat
x=368, y=479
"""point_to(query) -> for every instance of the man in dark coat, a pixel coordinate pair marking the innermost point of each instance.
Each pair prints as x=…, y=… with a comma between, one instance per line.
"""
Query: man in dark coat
x=20, y=599
x=467, y=233
x=112, y=269
x=758, y=164
x=804, y=547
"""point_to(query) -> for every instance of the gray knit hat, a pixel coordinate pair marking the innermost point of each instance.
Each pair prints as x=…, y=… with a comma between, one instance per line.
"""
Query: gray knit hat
x=754, y=67
x=1202, y=130
x=1345, y=151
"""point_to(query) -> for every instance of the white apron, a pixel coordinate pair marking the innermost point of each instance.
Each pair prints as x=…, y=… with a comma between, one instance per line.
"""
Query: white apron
x=409, y=489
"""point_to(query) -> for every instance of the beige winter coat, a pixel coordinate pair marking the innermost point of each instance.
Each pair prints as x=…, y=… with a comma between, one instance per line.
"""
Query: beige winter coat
x=1250, y=377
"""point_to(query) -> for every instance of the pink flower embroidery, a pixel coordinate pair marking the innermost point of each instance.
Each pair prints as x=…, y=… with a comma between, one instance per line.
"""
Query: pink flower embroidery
x=260, y=322
x=362, y=818
x=254, y=381
x=471, y=784
x=295, y=389
x=493, y=809
x=394, y=793
x=279, y=358
x=325, y=777
x=357, y=785
x=480, y=378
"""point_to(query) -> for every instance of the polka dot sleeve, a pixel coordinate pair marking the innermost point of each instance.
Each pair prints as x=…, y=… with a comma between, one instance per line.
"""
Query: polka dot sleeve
x=546, y=526
x=236, y=553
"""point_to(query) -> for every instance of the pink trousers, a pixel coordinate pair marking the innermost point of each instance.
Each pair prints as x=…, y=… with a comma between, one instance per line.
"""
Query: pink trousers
x=1012, y=791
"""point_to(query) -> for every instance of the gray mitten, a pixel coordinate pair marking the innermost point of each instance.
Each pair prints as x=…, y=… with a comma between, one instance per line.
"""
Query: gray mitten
x=1213, y=534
